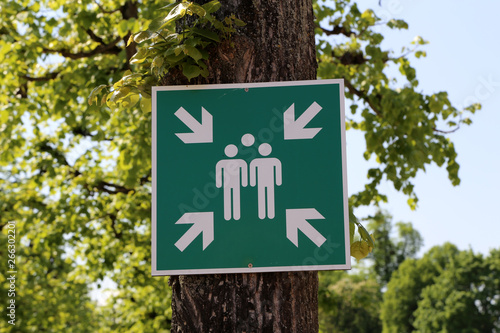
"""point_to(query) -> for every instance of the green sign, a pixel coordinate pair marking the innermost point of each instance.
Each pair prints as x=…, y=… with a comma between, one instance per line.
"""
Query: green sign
x=249, y=178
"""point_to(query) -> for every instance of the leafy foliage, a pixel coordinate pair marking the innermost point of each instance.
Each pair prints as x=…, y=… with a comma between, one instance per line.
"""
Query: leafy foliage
x=463, y=298
x=74, y=177
x=169, y=43
x=445, y=291
x=391, y=252
x=349, y=303
x=401, y=125
x=404, y=290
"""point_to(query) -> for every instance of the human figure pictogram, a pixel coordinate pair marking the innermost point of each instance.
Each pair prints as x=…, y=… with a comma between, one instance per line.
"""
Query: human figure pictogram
x=231, y=174
x=267, y=170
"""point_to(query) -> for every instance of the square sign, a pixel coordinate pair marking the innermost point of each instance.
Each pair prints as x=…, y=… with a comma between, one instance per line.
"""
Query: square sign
x=249, y=178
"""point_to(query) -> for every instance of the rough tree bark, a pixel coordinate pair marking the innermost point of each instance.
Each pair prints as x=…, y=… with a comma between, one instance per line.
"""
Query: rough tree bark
x=277, y=44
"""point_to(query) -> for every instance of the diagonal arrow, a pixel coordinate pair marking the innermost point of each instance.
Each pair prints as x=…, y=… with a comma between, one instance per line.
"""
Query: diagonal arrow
x=294, y=129
x=202, y=223
x=297, y=219
x=201, y=132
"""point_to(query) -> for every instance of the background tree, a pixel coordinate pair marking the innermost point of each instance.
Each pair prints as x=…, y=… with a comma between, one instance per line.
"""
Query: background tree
x=76, y=177
x=390, y=251
x=349, y=303
x=406, y=285
x=447, y=290
x=463, y=298
x=47, y=295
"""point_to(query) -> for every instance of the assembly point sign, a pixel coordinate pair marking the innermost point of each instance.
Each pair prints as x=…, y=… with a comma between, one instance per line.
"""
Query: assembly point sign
x=249, y=178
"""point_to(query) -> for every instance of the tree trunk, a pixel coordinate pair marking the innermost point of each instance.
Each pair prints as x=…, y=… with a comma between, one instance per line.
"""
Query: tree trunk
x=277, y=44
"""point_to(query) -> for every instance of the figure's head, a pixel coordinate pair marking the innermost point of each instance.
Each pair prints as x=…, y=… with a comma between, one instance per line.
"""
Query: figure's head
x=265, y=149
x=231, y=150
x=247, y=140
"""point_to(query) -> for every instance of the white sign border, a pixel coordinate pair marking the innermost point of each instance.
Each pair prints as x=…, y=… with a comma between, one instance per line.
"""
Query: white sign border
x=155, y=89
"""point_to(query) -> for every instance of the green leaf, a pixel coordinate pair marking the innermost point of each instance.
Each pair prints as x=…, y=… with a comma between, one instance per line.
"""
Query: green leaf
x=119, y=94
x=176, y=13
x=168, y=7
x=197, y=9
x=352, y=228
x=140, y=56
x=142, y=36
x=206, y=33
x=123, y=28
x=131, y=79
x=204, y=54
x=130, y=100
x=398, y=24
x=94, y=93
x=239, y=22
x=365, y=235
x=103, y=100
x=179, y=49
x=157, y=61
x=353, y=221
x=145, y=104
x=157, y=23
x=212, y=6
x=193, y=41
x=190, y=71
x=420, y=54
x=412, y=203
x=172, y=58
x=193, y=53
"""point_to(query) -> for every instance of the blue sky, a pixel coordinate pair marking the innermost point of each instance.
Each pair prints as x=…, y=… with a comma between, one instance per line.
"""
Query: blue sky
x=462, y=59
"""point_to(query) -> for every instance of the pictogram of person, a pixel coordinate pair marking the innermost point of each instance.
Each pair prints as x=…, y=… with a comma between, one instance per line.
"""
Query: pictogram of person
x=268, y=172
x=231, y=174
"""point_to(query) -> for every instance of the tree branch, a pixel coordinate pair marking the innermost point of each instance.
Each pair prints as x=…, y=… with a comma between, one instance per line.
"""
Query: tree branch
x=145, y=179
x=352, y=58
x=117, y=234
x=47, y=77
x=57, y=155
x=357, y=58
x=362, y=95
x=100, y=185
x=110, y=48
x=337, y=30
x=104, y=10
x=110, y=188
x=94, y=37
x=81, y=130
x=446, y=132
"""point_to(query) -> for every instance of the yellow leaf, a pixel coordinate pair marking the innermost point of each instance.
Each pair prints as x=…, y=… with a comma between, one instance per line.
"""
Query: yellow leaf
x=360, y=249
x=145, y=105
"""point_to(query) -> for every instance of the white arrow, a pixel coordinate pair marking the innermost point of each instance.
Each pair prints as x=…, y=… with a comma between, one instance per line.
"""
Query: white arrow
x=202, y=223
x=201, y=132
x=297, y=219
x=294, y=129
